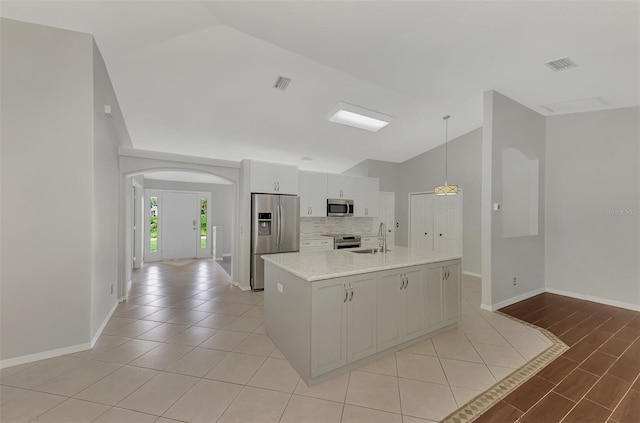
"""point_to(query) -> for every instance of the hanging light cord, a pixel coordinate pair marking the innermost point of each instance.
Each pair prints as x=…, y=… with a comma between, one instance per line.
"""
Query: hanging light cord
x=446, y=150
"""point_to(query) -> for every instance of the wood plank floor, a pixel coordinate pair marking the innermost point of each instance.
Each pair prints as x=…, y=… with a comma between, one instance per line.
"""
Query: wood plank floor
x=596, y=380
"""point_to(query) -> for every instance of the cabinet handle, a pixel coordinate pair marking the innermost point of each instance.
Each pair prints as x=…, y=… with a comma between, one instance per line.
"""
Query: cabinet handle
x=346, y=293
x=351, y=287
x=310, y=210
x=425, y=233
x=440, y=234
x=406, y=285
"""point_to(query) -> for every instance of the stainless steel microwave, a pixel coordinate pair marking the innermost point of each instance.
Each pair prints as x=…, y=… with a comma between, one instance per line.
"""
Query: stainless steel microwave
x=339, y=207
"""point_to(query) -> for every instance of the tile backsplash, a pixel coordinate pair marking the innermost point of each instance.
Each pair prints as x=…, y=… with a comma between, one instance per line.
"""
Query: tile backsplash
x=310, y=226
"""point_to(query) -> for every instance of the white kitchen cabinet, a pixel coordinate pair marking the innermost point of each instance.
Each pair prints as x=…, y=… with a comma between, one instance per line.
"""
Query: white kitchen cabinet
x=433, y=297
x=343, y=322
x=313, y=194
x=361, y=317
x=316, y=244
x=366, y=200
x=451, y=292
x=341, y=186
x=442, y=298
x=273, y=178
x=400, y=306
x=328, y=325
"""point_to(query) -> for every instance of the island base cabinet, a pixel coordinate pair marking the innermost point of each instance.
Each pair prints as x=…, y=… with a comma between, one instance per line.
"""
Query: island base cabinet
x=328, y=325
x=400, y=306
x=442, y=298
x=433, y=297
x=343, y=324
x=451, y=292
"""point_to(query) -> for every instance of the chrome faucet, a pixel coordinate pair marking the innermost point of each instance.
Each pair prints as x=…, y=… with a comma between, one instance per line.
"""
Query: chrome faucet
x=382, y=233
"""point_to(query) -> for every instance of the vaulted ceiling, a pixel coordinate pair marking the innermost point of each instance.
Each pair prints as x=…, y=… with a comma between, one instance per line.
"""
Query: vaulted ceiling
x=196, y=77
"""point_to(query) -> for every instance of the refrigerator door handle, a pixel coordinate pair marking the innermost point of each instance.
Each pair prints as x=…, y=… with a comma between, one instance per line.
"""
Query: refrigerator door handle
x=279, y=238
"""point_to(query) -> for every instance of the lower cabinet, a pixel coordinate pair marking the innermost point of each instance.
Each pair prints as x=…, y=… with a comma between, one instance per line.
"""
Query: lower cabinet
x=357, y=316
x=451, y=292
x=343, y=321
x=443, y=294
x=400, y=306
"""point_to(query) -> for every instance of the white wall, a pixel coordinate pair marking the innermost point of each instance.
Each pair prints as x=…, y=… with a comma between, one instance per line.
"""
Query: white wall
x=508, y=124
x=107, y=133
x=592, y=205
x=47, y=187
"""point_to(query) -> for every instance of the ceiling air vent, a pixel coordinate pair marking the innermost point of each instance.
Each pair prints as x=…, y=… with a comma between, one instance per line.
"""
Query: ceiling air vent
x=282, y=83
x=561, y=64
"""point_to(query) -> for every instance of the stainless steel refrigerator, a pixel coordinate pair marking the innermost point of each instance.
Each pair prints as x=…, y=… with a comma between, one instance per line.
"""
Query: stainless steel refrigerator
x=275, y=228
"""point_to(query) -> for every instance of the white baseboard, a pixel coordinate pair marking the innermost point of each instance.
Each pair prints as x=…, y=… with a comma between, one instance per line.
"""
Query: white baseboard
x=104, y=323
x=512, y=300
x=243, y=288
x=10, y=362
x=23, y=359
x=475, y=275
x=628, y=306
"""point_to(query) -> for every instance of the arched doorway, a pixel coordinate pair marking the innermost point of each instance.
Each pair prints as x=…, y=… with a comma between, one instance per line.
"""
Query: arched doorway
x=133, y=168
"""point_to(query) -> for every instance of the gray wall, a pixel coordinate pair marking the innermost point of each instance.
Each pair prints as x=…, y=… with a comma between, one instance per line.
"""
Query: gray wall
x=423, y=172
x=592, y=203
x=222, y=203
x=47, y=188
x=510, y=124
x=108, y=131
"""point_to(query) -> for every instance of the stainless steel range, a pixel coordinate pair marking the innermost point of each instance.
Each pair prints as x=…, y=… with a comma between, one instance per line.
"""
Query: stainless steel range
x=344, y=241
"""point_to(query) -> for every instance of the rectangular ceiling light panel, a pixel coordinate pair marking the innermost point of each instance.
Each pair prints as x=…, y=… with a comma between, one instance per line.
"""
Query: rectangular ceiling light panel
x=358, y=117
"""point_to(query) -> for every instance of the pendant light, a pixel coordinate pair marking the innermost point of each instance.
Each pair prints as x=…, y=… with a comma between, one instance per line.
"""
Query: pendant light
x=446, y=189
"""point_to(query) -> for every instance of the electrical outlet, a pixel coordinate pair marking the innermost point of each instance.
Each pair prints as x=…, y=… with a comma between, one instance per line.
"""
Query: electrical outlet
x=515, y=282
x=111, y=289
x=279, y=287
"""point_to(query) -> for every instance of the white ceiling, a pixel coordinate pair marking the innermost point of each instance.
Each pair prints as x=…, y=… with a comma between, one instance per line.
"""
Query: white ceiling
x=195, y=77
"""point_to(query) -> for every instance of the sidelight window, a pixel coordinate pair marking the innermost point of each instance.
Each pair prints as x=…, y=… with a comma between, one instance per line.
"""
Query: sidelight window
x=153, y=224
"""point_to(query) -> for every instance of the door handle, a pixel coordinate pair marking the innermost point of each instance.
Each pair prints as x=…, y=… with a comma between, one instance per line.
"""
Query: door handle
x=401, y=282
x=406, y=278
x=351, y=287
x=279, y=237
x=346, y=293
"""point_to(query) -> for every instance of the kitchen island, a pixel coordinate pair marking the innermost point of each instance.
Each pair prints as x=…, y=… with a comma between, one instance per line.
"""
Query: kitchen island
x=331, y=311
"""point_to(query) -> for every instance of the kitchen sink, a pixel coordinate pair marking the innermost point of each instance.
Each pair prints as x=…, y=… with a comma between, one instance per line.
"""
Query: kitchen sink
x=366, y=251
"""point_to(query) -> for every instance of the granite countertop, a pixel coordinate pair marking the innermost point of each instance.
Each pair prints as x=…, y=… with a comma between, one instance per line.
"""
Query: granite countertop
x=319, y=265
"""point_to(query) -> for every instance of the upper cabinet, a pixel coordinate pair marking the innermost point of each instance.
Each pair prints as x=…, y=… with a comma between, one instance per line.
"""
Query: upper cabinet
x=272, y=178
x=313, y=194
x=366, y=201
x=341, y=186
x=363, y=191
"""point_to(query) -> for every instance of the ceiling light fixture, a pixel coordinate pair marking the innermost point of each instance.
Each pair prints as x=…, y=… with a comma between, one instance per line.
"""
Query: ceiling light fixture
x=446, y=189
x=358, y=117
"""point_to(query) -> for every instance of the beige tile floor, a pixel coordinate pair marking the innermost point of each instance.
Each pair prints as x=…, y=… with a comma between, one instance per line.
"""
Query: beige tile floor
x=187, y=346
